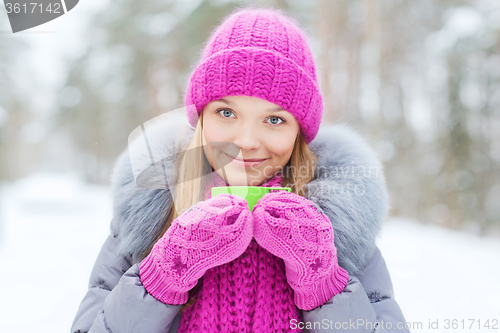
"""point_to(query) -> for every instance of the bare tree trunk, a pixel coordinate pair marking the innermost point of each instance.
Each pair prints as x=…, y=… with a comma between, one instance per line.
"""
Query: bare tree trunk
x=325, y=32
x=372, y=59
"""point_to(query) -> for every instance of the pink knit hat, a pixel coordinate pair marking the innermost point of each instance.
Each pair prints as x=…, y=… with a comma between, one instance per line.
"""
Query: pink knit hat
x=261, y=53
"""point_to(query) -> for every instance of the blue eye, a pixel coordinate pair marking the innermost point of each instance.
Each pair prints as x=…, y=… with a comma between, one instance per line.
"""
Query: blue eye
x=225, y=113
x=278, y=118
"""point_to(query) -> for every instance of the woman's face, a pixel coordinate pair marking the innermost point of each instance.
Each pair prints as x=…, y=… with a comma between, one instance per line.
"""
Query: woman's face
x=250, y=138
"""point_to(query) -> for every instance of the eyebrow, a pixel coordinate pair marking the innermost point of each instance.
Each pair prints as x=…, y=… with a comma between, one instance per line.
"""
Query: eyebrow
x=276, y=109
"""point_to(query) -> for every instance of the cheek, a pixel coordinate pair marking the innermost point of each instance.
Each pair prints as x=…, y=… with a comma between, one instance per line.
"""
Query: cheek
x=284, y=151
x=212, y=131
x=209, y=133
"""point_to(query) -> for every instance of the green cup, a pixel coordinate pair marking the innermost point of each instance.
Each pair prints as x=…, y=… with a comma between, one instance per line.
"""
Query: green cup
x=251, y=194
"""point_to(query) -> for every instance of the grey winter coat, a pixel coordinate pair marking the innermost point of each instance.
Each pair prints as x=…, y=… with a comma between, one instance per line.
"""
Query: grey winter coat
x=349, y=187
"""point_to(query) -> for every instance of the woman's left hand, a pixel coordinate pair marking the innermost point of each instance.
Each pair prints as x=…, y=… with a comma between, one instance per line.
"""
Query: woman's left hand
x=295, y=229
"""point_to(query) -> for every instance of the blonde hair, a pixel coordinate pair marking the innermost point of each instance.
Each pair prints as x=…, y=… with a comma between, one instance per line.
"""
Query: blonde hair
x=192, y=165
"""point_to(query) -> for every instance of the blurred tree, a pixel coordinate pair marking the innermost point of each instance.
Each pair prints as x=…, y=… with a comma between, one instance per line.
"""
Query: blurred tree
x=14, y=110
x=473, y=88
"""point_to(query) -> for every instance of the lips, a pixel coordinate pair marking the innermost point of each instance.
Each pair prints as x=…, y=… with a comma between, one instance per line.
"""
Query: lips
x=246, y=163
x=246, y=159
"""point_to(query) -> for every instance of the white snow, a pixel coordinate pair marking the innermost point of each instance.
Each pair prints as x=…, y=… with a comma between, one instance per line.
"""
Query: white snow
x=52, y=227
x=440, y=274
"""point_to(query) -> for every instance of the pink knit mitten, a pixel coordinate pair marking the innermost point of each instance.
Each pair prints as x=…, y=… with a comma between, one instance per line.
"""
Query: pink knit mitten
x=209, y=234
x=295, y=229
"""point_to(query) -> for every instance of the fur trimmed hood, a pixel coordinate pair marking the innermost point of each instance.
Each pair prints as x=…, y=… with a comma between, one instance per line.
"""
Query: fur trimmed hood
x=349, y=186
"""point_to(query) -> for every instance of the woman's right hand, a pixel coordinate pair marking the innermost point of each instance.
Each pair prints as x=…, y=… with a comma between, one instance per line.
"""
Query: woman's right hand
x=209, y=234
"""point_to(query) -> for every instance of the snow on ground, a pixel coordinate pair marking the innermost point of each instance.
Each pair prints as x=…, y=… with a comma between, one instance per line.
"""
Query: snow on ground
x=439, y=274
x=52, y=227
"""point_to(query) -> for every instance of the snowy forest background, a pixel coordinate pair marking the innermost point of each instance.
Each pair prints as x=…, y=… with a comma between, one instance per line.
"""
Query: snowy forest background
x=419, y=79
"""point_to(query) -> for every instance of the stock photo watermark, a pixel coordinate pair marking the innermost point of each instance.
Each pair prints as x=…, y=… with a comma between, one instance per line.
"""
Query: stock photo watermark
x=433, y=324
x=25, y=14
x=350, y=178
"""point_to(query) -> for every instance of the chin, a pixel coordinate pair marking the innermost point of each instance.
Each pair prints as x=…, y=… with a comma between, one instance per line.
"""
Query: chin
x=238, y=183
x=242, y=179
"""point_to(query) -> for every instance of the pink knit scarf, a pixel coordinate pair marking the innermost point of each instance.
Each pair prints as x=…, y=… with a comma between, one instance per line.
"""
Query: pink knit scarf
x=248, y=294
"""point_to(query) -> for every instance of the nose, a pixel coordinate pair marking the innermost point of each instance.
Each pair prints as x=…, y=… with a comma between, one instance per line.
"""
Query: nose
x=247, y=138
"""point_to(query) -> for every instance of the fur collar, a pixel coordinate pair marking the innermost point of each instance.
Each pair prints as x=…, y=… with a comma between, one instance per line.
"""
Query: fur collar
x=349, y=187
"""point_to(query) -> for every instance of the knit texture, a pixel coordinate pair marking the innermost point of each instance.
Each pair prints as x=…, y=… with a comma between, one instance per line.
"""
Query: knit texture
x=261, y=53
x=248, y=294
x=211, y=233
x=295, y=229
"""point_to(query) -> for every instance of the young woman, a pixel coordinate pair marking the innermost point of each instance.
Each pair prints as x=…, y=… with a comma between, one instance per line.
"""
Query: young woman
x=179, y=260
